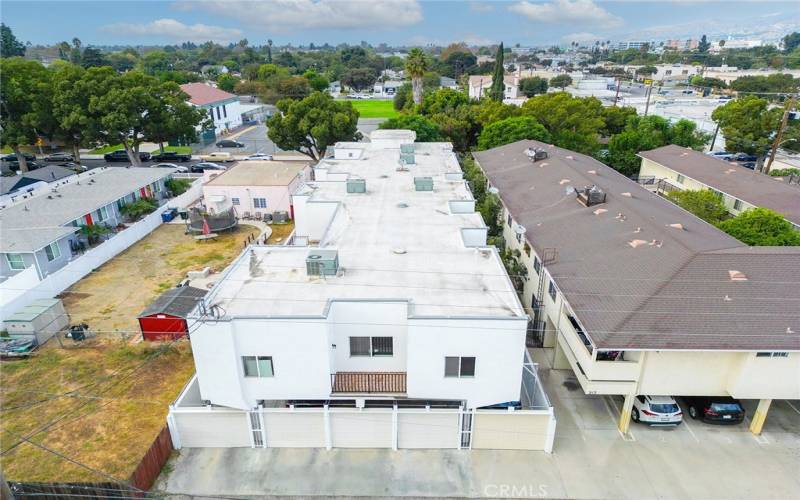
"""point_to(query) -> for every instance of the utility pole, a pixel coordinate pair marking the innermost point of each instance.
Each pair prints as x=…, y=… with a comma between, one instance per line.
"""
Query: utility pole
x=714, y=139
x=616, y=97
x=649, y=92
x=784, y=121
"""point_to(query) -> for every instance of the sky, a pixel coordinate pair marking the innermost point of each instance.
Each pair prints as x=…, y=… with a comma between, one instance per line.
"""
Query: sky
x=396, y=22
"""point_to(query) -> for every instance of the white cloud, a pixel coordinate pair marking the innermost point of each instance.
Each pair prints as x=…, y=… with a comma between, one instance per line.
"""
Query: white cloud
x=176, y=30
x=290, y=15
x=481, y=7
x=566, y=12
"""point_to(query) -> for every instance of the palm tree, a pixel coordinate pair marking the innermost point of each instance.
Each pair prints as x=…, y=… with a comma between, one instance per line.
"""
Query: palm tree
x=416, y=65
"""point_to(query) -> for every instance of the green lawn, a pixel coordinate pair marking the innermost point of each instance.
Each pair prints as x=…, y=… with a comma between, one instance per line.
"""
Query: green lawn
x=109, y=149
x=369, y=108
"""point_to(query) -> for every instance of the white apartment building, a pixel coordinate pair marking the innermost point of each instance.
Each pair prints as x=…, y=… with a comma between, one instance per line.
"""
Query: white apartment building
x=480, y=84
x=639, y=297
x=386, y=322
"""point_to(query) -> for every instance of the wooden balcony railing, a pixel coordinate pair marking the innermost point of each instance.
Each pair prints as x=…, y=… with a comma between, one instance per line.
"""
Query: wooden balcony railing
x=368, y=382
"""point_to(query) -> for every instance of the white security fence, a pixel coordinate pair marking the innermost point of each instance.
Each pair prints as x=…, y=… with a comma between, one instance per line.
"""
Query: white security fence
x=193, y=425
x=20, y=290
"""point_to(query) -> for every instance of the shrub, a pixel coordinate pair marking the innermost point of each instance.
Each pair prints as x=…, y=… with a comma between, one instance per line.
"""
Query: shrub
x=139, y=208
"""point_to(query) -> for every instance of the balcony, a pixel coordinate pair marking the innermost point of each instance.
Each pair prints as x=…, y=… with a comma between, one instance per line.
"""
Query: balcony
x=368, y=382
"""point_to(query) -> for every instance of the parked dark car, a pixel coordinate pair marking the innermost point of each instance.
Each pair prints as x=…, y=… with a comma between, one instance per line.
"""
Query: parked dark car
x=715, y=410
x=228, y=143
x=122, y=155
x=12, y=158
x=744, y=157
x=749, y=164
x=170, y=156
x=32, y=165
x=59, y=157
x=199, y=168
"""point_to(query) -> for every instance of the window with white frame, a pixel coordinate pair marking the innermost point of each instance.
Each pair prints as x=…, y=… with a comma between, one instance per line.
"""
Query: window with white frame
x=551, y=290
x=459, y=366
x=52, y=251
x=235, y=201
x=737, y=205
x=681, y=178
x=258, y=366
x=537, y=264
x=15, y=261
x=101, y=214
x=371, y=346
x=157, y=187
x=259, y=203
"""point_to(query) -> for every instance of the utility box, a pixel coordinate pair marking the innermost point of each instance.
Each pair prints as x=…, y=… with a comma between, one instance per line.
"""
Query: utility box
x=321, y=262
x=38, y=321
x=423, y=183
x=356, y=186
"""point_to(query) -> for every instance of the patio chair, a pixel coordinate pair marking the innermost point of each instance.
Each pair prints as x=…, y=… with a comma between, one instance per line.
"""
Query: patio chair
x=246, y=216
x=267, y=218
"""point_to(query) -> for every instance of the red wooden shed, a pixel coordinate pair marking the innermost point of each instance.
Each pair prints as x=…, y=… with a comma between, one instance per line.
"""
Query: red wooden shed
x=165, y=317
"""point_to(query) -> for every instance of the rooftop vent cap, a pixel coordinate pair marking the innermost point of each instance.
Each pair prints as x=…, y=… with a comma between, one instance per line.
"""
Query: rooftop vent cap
x=536, y=154
x=591, y=195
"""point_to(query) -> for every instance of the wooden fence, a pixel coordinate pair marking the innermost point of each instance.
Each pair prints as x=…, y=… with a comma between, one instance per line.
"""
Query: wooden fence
x=140, y=481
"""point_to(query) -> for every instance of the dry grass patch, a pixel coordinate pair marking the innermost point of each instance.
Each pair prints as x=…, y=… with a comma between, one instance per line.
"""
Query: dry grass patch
x=103, y=402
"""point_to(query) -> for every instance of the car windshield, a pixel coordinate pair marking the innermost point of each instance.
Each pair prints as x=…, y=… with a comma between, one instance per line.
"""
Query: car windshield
x=664, y=408
x=725, y=406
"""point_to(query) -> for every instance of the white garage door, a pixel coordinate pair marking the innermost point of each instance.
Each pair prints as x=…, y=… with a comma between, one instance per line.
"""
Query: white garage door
x=295, y=430
x=213, y=430
x=365, y=429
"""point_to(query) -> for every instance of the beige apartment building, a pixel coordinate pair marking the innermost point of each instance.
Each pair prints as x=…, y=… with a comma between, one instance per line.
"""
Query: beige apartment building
x=675, y=167
x=638, y=296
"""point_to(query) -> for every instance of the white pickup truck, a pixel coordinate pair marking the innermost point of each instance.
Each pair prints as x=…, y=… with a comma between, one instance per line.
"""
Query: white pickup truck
x=218, y=156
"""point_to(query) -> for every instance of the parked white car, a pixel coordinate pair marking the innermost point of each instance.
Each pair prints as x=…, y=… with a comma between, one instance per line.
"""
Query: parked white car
x=259, y=156
x=178, y=168
x=218, y=156
x=656, y=410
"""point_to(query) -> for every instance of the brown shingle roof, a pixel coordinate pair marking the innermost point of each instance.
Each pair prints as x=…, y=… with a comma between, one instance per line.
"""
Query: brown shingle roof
x=667, y=291
x=201, y=94
x=753, y=187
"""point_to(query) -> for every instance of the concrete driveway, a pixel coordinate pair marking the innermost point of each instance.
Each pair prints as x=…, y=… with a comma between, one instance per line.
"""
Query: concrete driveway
x=590, y=460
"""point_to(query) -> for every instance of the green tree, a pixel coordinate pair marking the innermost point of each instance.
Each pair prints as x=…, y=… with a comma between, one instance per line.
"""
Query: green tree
x=770, y=84
x=9, y=45
x=427, y=131
x=416, y=66
x=122, y=61
x=761, y=227
x=488, y=111
x=616, y=117
x=318, y=83
x=359, y=78
x=497, y=90
x=312, y=124
x=72, y=90
x=227, y=82
x=703, y=45
x=403, y=97
x=573, y=122
x=171, y=118
x=647, y=70
x=703, y=203
x=748, y=124
x=561, y=81
x=459, y=62
x=533, y=86
x=93, y=57
x=714, y=83
x=791, y=42
x=511, y=130
x=23, y=94
x=443, y=101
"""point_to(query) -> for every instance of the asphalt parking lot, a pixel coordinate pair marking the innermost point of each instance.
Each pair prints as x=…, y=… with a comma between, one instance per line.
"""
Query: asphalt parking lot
x=590, y=460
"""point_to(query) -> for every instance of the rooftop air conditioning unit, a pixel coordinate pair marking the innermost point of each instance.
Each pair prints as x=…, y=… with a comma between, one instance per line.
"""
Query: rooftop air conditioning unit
x=407, y=148
x=536, y=154
x=407, y=158
x=321, y=262
x=356, y=186
x=591, y=195
x=423, y=183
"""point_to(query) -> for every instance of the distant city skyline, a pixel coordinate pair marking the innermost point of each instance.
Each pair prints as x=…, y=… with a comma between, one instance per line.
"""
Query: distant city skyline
x=395, y=22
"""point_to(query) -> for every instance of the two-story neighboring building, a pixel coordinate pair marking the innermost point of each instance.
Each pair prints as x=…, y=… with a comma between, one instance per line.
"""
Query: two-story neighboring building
x=223, y=108
x=256, y=187
x=388, y=322
x=638, y=296
x=43, y=231
x=480, y=84
x=677, y=168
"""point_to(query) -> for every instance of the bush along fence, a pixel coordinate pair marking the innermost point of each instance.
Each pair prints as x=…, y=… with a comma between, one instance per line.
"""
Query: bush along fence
x=140, y=481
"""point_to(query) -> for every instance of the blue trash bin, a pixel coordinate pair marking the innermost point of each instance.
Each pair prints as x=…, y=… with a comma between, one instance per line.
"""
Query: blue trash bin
x=168, y=215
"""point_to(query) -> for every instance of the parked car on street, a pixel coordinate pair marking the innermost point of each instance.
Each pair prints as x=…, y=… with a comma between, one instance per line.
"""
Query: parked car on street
x=749, y=164
x=656, y=410
x=122, y=155
x=171, y=156
x=259, y=156
x=218, y=156
x=199, y=168
x=722, y=155
x=32, y=165
x=13, y=157
x=59, y=157
x=743, y=157
x=715, y=410
x=178, y=168
x=229, y=143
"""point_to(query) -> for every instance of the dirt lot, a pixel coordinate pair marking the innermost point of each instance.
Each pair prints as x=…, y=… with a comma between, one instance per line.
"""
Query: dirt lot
x=103, y=402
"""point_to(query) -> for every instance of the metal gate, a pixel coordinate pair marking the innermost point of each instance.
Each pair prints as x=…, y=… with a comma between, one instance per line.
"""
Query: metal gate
x=467, y=417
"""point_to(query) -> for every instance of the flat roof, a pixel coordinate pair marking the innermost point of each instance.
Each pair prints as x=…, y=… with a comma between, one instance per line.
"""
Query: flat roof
x=640, y=272
x=34, y=223
x=259, y=173
x=393, y=244
x=747, y=185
